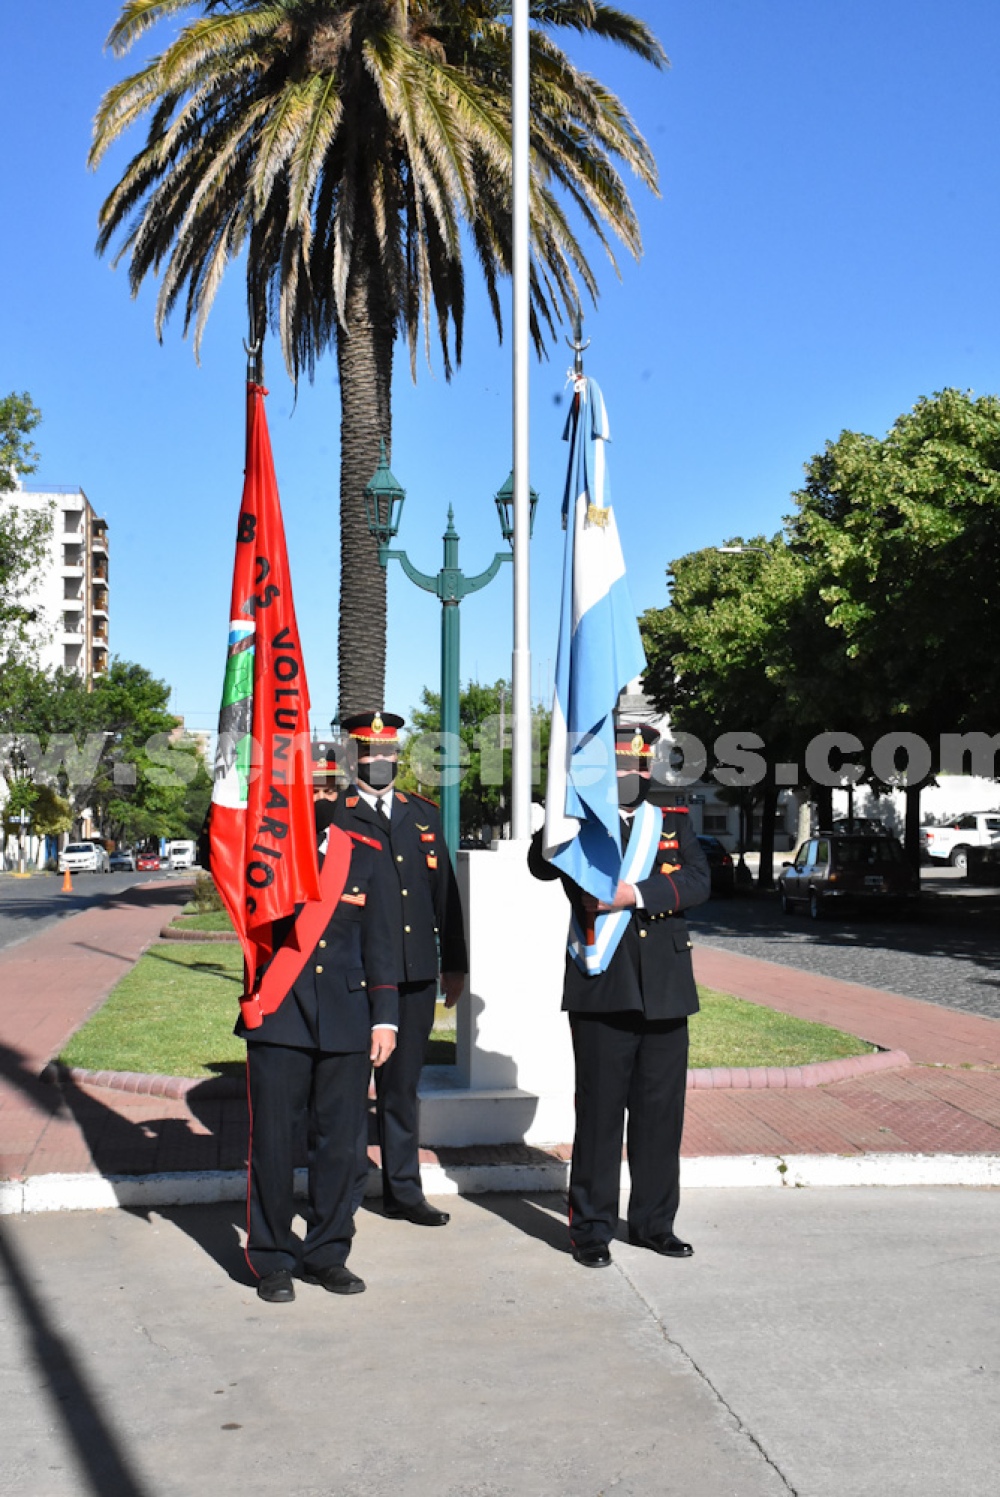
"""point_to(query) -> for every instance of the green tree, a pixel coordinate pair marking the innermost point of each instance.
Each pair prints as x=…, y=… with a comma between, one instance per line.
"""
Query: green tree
x=903, y=534
x=710, y=658
x=109, y=746
x=485, y=729
x=350, y=148
x=23, y=533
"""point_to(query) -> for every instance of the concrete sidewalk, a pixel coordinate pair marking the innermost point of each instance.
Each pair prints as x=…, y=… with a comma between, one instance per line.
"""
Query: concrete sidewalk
x=821, y=1343
x=933, y=1118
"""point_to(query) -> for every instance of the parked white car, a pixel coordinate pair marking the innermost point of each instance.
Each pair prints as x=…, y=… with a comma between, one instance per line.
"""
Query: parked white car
x=84, y=857
x=951, y=843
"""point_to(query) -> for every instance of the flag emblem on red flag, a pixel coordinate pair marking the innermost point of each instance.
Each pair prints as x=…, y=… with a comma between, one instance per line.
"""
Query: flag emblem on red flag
x=263, y=835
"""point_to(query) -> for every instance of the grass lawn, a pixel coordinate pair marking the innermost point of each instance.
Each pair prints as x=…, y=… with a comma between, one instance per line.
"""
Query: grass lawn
x=213, y=920
x=173, y=1015
x=732, y=1032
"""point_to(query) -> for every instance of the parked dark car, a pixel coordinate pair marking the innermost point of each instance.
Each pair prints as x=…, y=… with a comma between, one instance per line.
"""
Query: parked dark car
x=837, y=870
x=983, y=865
x=721, y=864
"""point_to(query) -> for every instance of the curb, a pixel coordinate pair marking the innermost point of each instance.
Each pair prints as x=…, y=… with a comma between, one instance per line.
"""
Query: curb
x=172, y=933
x=718, y=1078
x=93, y=1192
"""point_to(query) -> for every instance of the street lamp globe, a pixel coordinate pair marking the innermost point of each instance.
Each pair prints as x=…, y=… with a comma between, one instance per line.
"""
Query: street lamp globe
x=383, y=501
x=504, y=501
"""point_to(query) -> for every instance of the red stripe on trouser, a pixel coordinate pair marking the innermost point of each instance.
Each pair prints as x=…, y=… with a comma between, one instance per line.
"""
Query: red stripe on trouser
x=246, y=1250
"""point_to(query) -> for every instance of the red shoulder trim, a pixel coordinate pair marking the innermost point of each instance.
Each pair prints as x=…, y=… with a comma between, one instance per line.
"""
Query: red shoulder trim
x=674, y=810
x=400, y=796
x=426, y=799
x=351, y=801
x=368, y=841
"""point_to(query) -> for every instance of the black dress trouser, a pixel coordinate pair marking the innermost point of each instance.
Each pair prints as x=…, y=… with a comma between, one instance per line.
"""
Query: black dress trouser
x=396, y=1105
x=626, y=1061
x=297, y=1094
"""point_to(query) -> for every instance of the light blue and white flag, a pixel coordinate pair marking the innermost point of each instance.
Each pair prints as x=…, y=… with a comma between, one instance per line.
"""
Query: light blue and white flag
x=600, y=651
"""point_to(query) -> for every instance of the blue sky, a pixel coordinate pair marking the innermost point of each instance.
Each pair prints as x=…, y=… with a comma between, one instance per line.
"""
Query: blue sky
x=824, y=252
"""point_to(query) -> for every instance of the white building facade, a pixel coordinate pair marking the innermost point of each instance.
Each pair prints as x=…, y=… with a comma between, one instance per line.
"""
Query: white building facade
x=70, y=589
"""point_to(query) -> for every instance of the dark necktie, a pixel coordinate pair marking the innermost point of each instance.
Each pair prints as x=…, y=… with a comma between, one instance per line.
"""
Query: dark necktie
x=626, y=831
x=382, y=811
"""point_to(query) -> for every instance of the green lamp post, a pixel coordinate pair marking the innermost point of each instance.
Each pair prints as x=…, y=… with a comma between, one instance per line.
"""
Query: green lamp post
x=384, y=498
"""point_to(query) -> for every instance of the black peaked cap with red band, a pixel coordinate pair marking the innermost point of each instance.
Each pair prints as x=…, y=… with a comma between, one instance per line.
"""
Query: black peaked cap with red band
x=369, y=729
x=635, y=741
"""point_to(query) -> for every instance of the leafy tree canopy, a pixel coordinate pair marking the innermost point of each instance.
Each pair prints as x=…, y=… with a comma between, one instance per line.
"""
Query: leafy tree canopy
x=903, y=538
x=109, y=748
x=23, y=532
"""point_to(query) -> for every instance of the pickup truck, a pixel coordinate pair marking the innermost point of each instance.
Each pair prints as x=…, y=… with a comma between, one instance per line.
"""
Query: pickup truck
x=951, y=843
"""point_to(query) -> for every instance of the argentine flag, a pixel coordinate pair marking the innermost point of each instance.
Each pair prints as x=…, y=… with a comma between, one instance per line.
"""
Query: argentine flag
x=599, y=652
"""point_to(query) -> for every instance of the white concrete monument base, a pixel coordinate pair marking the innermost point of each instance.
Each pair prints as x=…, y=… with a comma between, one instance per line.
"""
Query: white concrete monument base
x=513, y=1082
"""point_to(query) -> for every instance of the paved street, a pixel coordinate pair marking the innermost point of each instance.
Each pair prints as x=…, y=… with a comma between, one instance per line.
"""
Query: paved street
x=948, y=953
x=29, y=905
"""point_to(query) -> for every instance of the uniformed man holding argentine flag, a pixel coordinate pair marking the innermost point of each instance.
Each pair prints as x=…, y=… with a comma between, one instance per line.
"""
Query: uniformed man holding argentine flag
x=629, y=870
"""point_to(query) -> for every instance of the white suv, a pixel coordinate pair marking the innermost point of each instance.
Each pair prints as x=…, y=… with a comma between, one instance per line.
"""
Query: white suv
x=84, y=857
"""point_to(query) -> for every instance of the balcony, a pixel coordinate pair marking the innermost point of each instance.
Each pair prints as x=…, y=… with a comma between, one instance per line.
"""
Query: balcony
x=99, y=542
x=100, y=603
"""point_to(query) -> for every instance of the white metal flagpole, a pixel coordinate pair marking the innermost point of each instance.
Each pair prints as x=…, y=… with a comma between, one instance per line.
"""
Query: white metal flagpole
x=521, y=744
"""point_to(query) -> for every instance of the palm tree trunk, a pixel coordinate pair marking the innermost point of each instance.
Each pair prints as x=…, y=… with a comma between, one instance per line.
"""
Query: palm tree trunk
x=364, y=364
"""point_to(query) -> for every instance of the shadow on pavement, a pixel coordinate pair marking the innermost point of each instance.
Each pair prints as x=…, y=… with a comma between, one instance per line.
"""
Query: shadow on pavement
x=103, y=1461
x=528, y=1215
x=966, y=931
x=120, y=1145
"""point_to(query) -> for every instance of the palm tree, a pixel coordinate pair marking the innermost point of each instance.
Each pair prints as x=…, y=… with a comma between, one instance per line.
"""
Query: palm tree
x=351, y=149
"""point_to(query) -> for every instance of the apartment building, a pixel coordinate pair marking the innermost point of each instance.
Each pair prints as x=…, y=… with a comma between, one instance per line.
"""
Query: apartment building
x=70, y=588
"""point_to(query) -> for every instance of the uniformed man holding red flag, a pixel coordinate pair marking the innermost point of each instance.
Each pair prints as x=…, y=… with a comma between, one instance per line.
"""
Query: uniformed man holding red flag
x=323, y=1011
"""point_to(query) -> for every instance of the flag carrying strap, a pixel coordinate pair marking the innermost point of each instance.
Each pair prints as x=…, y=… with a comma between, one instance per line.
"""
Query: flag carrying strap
x=310, y=925
x=595, y=957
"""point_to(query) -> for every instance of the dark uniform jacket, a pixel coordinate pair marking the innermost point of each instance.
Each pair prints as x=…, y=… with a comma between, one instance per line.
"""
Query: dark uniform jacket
x=651, y=969
x=349, y=982
x=431, y=927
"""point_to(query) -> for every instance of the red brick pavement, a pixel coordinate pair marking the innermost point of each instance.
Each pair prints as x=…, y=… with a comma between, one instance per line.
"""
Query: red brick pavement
x=950, y=1103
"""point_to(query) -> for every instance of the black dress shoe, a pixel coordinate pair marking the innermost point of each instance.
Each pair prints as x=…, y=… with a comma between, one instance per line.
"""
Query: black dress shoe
x=593, y=1255
x=276, y=1288
x=421, y=1215
x=664, y=1243
x=337, y=1279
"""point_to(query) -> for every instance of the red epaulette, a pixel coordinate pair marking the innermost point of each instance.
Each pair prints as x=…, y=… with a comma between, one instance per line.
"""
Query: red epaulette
x=368, y=841
x=426, y=799
x=400, y=797
x=351, y=801
x=674, y=810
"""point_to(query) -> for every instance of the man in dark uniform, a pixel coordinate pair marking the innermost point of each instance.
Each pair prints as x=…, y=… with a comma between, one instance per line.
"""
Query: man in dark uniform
x=629, y=1021
x=432, y=936
x=324, y=1010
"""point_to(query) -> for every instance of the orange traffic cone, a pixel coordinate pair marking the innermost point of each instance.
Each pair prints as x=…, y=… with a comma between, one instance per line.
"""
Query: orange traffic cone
x=67, y=883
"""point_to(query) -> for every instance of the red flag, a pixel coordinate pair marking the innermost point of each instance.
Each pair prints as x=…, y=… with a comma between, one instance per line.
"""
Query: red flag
x=263, y=835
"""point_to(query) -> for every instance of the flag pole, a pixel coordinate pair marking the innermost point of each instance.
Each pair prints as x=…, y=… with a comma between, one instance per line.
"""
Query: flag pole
x=521, y=665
